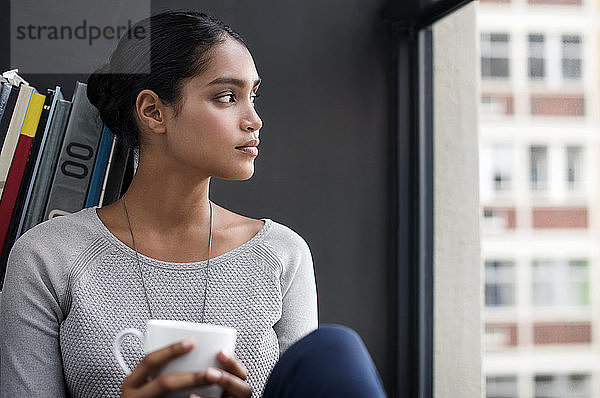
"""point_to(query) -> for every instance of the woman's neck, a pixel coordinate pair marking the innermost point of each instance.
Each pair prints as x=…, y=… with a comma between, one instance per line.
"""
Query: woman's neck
x=168, y=202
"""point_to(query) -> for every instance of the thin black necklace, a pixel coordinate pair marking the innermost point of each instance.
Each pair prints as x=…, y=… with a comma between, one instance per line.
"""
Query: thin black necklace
x=140, y=268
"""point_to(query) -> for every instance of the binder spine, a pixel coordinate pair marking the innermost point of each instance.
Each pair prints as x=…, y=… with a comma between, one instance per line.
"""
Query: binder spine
x=78, y=154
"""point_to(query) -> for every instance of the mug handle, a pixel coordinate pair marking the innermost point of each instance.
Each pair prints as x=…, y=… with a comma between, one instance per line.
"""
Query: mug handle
x=117, y=346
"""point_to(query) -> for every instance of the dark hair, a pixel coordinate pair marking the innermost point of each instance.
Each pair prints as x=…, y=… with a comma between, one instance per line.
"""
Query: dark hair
x=178, y=47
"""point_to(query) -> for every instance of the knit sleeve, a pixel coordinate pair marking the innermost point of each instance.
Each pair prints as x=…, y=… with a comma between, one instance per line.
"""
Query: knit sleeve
x=299, y=314
x=30, y=314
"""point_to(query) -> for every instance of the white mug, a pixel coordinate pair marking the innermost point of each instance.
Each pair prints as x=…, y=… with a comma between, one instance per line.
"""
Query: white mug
x=208, y=341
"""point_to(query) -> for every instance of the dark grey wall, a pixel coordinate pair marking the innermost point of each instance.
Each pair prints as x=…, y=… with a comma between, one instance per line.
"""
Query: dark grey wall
x=323, y=165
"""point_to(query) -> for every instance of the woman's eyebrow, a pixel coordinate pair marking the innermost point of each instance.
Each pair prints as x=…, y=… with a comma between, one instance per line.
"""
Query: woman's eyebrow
x=232, y=80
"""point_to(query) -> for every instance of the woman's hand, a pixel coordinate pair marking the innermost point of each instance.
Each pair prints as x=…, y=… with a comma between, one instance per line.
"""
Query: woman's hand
x=231, y=377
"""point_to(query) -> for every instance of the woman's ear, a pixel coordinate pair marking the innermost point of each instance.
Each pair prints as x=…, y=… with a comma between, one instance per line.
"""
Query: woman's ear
x=151, y=112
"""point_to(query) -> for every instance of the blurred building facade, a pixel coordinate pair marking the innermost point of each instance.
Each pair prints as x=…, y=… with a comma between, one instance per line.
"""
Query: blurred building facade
x=539, y=162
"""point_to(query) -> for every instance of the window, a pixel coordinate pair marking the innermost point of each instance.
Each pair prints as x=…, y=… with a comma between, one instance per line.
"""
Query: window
x=563, y=386
x=536, y=61
x=499, y=336
x=502, y=167
x=496, y=219
x=499, y=283
x=501, y=387
x=497, y=104
x=538, y=167
x=574, y=167
x=561, y=283
x=571, y=57
x=579, y=284
x=494, y=55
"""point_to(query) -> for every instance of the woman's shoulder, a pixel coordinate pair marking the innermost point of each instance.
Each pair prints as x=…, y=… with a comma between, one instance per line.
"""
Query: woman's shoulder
x=280, y=234
x=74, y=229
x=286, y=243
x=51, y=248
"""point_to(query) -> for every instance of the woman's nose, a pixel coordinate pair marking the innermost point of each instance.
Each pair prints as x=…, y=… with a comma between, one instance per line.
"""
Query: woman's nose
x=252, y=122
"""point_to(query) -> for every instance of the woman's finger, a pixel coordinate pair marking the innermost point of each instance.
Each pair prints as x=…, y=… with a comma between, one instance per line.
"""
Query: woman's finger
x=173, y=382
x=155, y=360
x=232, y=385
x=232, y=365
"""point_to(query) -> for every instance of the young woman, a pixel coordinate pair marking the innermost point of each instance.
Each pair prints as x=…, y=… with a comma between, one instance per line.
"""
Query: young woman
x=183, y=96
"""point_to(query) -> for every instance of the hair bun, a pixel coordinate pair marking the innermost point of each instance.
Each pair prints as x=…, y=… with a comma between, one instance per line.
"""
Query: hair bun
x=99, y=87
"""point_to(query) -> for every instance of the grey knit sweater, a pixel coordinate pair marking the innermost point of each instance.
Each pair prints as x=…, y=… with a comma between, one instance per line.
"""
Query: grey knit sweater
x=71, y=286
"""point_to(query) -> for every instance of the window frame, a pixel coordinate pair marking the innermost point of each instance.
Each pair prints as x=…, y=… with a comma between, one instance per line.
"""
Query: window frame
x=412, y=190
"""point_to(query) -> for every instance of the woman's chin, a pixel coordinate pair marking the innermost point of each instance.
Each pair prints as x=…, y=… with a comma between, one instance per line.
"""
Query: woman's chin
x=240, y=175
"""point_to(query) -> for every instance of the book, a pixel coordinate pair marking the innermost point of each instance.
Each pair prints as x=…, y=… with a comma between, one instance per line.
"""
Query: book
x=116, y=173
x=21, y=201
x=4, y=94
x=41, y=188
x=8, y=111
x=46, y=119
x=110, y=157
x=18, y=164
x=12, y=135
x=100, y=167
x=77, y=157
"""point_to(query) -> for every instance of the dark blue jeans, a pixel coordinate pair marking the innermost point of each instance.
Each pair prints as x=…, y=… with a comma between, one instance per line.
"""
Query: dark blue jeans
x=332, y=361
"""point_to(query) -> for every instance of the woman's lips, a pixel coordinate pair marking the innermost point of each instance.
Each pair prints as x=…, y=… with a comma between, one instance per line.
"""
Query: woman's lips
x=251, y=150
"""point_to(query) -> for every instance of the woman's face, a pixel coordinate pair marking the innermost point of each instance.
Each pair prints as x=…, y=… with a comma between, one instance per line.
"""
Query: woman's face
x=217, y=115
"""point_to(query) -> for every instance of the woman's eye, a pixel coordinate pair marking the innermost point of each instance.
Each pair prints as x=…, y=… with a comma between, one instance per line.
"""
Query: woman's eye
x=227, y=98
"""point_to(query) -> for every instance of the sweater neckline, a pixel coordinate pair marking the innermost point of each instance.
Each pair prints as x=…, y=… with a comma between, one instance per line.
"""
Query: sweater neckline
x=177, y=265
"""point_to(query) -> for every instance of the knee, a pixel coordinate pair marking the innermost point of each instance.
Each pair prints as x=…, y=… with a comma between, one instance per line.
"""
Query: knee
x=336, y=333
x=336, y=338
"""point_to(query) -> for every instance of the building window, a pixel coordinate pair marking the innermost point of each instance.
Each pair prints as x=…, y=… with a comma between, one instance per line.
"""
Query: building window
x=561, y=283
x=494, y=55
x=496, y=219
x=563, y=386
x=579, y=283
x=538, y=161
x=499, y=283
x=502, y=166
x=574, y=167
x=500, y=336
x=571, y=57
x=501, y=387
x=536, y=61
x=497, y=104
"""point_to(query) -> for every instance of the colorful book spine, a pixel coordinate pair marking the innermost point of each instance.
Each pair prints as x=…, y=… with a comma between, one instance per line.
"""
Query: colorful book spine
x=78, y=154
x=19, y=163
x=93, y=198
x=47, y=167
x=12, y=135
x=21, y=202
x=8, y=111
x=57, y=95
